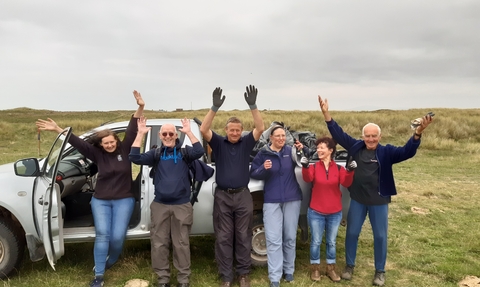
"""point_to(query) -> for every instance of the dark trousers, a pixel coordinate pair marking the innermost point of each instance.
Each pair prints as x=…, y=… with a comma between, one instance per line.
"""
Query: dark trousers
x=232, y=222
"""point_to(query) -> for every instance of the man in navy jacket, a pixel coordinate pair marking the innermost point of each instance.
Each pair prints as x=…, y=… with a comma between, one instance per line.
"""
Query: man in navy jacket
x=372, y=187
x=171, y=210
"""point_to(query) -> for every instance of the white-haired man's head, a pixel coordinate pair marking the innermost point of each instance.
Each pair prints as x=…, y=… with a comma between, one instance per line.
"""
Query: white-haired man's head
x=371, y=134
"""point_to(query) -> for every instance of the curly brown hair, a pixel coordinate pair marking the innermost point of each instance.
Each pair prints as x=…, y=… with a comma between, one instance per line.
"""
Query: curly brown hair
x=331, y=144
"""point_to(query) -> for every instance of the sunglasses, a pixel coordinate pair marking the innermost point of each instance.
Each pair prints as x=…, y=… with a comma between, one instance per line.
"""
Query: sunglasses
x=169, y=134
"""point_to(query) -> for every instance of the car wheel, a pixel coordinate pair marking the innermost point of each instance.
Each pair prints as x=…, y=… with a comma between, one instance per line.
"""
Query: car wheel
x=259, y=242
x=11, y=248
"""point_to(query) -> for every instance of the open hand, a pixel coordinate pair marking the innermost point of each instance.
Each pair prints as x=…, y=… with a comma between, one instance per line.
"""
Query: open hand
x=251, y=95
x=142, y=125
x=185, y=126
x=48, y=125
x=139, y=98
x=323, y=104
x=217, y=97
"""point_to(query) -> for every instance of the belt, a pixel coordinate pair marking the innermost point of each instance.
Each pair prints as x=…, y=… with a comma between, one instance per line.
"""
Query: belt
x=232, y=190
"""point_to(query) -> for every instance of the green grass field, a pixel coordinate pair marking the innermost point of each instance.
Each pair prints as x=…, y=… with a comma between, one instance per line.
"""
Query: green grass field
x=433, y=221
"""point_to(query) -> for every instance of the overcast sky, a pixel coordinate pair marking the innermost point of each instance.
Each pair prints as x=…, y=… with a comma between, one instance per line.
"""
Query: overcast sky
x=361, y=55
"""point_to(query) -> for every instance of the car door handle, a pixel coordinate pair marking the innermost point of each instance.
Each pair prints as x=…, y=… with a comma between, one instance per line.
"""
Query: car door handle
x=41, y=202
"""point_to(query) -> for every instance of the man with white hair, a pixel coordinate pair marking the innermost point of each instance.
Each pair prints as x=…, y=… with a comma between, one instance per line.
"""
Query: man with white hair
x=372, y=187
x=171, y=210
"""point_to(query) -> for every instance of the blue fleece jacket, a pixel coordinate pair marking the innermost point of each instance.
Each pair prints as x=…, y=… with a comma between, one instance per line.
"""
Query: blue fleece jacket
x=387, y=155
x=280, y=182
x=172, y=185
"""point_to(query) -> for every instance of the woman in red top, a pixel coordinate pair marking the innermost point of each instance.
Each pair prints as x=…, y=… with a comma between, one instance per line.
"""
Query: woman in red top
x=325, y=210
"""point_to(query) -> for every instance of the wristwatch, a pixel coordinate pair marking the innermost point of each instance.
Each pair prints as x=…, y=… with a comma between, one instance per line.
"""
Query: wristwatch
x=418, y=135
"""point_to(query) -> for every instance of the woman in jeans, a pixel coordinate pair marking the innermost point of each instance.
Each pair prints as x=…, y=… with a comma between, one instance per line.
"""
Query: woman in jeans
x=113, y=201
x=282, y=200
x=325, y=210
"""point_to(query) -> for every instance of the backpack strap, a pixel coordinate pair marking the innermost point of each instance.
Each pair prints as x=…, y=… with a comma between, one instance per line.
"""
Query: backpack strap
x=191, y=171
x=156, y=160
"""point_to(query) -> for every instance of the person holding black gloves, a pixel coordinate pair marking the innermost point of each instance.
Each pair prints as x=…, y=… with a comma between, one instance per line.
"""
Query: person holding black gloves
x=325, y=209
x=372, y=186
x=233, y=204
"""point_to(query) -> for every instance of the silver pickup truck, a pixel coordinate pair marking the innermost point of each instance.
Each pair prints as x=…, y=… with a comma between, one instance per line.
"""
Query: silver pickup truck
x=45, y=203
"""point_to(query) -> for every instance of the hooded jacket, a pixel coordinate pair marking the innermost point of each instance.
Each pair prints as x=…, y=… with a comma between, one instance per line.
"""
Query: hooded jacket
x=172, y=185
x=386, y=155
x=280, y=181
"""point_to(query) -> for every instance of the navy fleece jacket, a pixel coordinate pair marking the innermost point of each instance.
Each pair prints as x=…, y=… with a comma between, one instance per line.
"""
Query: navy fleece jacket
x=172, y=185
x=387, y=155
x=280, y=182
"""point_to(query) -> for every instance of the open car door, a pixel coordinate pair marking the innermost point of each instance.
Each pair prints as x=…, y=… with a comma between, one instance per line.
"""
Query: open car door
x=49, y=203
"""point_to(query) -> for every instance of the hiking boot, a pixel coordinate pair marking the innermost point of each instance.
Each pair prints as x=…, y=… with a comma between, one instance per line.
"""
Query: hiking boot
x=97, y=282
x=289, y=278
x=348, y=272
x=163, y=284
x=315, y=272
x=274, y=284
x=244, y=280
x=225, y=284
x=379, y=279
x=332, y=274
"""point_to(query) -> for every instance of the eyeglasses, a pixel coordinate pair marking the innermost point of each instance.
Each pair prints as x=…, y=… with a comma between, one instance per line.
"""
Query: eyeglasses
x=169, y=134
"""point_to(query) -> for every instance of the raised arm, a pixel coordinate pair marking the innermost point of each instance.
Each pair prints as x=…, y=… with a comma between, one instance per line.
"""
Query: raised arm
x=207, y=121
x=186, y=130
x=142, y=131
x=48, y=125
x=141, y=104
x=251, y=99
x=324, y=107
x=426, y=120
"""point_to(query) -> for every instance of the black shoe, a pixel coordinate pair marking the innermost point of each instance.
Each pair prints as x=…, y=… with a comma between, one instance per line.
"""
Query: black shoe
x=163, y=284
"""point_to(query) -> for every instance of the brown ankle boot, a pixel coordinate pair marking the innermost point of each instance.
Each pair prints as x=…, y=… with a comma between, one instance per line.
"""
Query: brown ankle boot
x=332, y=274
x=315, y=272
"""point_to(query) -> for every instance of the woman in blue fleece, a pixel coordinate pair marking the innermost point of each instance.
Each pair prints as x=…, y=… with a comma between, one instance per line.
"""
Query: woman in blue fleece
x=282, y=199
x=171, y=210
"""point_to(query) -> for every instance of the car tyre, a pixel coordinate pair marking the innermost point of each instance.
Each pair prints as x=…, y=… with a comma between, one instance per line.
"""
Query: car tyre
x=259, y=242
x=12, y=247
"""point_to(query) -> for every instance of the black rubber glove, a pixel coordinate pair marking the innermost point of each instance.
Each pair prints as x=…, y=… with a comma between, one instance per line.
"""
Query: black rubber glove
x=217, y=99
x=251, y=97
x=351, y=165
x=304, y=162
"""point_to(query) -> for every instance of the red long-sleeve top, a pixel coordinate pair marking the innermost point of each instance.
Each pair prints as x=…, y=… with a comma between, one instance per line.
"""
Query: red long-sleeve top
x=326, y=194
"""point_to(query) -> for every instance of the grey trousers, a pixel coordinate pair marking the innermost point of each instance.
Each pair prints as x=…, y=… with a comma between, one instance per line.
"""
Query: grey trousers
x=171, y=224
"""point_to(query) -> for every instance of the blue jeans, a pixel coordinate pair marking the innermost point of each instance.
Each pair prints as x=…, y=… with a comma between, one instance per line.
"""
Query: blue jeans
x=111, y=218
x=318, y=223
x=281, y=224
x=378, y=215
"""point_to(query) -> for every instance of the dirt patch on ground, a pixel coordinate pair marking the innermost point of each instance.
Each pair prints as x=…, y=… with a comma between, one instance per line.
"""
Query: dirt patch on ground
x=419, y=210
x=470, y=281
x=137, y=283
